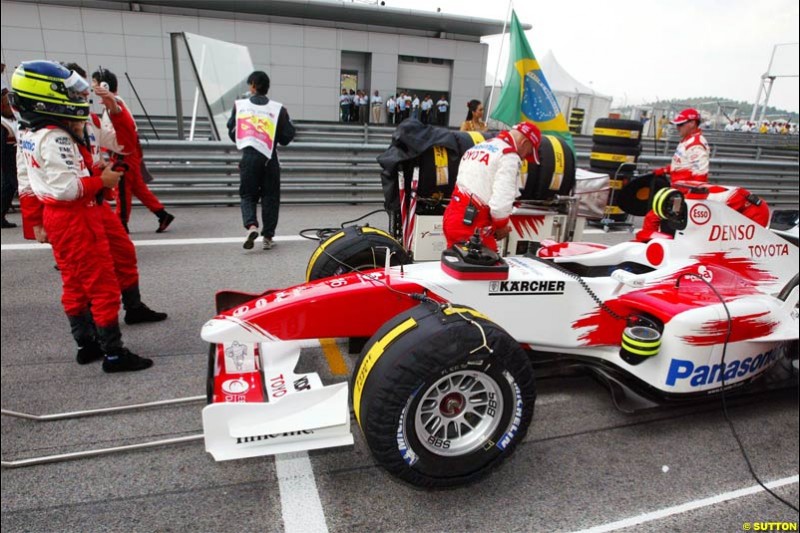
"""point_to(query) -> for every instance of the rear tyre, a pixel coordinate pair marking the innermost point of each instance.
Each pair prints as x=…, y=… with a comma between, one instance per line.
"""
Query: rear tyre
x=354, y=248
x=434, y=414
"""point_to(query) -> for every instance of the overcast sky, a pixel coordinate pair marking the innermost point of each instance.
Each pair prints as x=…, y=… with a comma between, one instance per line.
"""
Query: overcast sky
x=640, y=50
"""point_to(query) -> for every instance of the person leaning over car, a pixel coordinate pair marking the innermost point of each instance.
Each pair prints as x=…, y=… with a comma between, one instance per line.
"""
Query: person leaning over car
x=489, y=180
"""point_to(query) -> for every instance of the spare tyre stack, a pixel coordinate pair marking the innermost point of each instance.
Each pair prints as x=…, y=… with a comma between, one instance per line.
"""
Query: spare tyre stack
x=616, y=145
x=556, y=173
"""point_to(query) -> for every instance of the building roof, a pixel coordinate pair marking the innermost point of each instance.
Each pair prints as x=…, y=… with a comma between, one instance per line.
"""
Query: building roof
x=323, y=13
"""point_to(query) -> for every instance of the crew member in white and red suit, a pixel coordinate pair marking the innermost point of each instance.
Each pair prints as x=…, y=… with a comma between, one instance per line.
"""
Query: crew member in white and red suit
x=489, y=180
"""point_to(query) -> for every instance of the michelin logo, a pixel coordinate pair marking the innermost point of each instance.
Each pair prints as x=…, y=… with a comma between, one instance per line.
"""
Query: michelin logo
x=680, y=369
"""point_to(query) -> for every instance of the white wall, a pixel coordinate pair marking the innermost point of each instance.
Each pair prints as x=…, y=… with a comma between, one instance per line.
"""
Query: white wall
x=303, y=62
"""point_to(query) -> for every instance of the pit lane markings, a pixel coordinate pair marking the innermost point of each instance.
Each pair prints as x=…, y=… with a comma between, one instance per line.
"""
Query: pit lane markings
x=301, y=507
x=160, y=242
x=334, y=356
x=185, y=242
x=689, y=506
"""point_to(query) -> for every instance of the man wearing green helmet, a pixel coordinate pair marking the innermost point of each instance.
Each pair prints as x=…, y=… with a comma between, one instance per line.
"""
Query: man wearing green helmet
x=51, y=104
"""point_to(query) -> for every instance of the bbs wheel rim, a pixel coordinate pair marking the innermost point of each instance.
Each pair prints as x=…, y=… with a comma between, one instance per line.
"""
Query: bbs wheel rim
x=458, y=413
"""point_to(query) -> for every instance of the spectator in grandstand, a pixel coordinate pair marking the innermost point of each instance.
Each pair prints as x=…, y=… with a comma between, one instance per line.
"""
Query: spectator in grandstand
x=474, y=121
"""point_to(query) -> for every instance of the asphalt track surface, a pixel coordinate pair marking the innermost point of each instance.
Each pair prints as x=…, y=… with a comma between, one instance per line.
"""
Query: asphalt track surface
x=583, y=464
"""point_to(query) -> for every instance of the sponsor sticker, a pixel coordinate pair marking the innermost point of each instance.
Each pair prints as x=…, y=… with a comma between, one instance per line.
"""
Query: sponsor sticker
x=700, y=214
x=533, y=287
x=681, y=370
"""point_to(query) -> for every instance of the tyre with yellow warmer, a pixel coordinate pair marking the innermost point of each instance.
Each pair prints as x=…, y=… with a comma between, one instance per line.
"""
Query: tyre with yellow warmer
x=617, y=132
x=442, y=396
x=354, y=248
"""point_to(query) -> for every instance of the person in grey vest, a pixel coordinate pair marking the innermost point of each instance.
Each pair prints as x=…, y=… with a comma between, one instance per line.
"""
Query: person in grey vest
x=256, y=127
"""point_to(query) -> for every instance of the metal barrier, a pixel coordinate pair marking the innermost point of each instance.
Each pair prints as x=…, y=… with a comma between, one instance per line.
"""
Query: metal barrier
x=206, y=173
x=718, y=149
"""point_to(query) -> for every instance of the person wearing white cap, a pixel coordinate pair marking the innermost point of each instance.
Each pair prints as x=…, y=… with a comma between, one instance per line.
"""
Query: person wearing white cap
x=489, y=180
x=689, y=163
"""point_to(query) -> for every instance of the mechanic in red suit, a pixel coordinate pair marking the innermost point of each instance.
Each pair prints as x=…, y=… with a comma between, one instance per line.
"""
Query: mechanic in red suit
x=128, y=150
x=489, y=180
x=61, y=174
x=690, y=163
x=122, y=249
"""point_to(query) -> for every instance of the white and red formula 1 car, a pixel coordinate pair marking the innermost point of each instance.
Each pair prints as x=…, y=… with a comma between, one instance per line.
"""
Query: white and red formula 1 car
x=444, y=387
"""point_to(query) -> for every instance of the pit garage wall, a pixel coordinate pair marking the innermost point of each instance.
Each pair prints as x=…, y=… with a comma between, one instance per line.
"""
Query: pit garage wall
x=303, y=62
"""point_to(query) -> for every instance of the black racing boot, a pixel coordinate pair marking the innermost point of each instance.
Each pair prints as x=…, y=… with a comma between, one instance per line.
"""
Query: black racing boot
x=118, y=358
x=89, y=352
x=164, y=220
x=85, y=334
x=141, y=314
x=123, y=360
x=136, y=311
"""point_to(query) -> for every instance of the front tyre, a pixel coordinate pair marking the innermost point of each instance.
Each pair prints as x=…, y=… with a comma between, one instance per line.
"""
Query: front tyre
x=438, y=406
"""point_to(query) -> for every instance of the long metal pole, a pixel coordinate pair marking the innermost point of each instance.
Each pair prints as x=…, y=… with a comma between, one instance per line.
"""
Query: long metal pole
x=499, y=55
x=94, y=453
x=136, y=93
x=176, y=79
x=101, y=411
x=197, y=96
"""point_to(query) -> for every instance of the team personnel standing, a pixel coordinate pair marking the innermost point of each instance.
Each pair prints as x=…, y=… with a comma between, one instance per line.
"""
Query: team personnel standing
x=256, y=124
x=62, y=176
x=344, y=106
x=130, y=152
x=474, y=120
x=122, y=250
x=426, y=106
x=8, y=145
x=689, y=163
x=442, y=105
x=391, y=106
x=376, y=103
x=489, y=180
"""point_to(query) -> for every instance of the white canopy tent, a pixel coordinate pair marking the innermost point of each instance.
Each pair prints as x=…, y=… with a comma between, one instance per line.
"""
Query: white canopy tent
x=569, y=92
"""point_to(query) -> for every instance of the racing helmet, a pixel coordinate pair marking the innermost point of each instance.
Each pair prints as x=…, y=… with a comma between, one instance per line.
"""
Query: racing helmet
x=47, y=88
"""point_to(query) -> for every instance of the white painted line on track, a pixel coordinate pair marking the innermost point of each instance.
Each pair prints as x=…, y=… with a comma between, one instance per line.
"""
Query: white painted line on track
x=160, y=242
x=300, y=503
x=689, y=506
x=185, y=242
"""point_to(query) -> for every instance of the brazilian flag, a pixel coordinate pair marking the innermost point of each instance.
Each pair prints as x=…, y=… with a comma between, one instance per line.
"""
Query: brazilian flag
x=526, y=94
